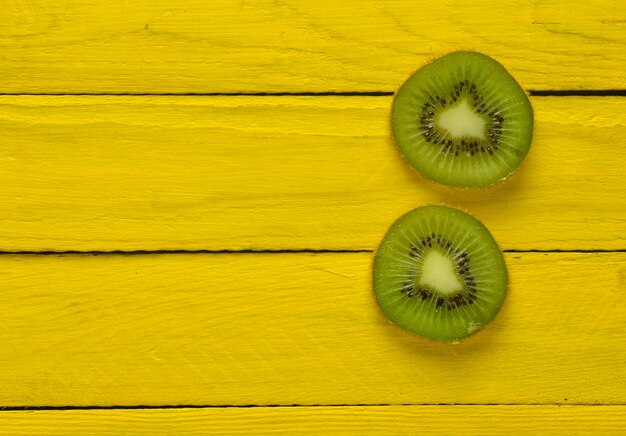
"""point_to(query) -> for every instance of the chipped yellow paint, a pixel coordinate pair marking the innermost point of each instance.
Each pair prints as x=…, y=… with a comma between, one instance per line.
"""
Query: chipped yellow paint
x=146, y=173
x=121, y=46
x=354, y=420
x=296, y=328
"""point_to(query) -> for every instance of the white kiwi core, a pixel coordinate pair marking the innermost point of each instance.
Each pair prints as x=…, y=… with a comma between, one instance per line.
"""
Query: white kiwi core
x=438, y=273
x=461, y=121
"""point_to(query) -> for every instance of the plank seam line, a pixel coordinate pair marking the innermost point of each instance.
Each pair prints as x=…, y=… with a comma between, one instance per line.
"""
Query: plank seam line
x=533, y=92
x=593, y=250
x=311, y=251
x=145, y=252
x=579, y=93
x=258, y=406
x=214, y=94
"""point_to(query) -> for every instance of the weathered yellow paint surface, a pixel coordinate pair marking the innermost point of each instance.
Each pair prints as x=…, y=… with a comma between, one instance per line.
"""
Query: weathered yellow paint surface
x=299, y=45
x=355, y=420
x=144, y=173
x=291, y=173
x=296, y=328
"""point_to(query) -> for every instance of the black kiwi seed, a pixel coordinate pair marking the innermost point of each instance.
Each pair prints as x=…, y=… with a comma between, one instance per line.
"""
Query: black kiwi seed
x=482, y=92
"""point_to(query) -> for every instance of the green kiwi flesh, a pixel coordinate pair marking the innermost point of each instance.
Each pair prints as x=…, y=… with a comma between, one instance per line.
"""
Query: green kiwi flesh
x=439, y=273
x=463, y=120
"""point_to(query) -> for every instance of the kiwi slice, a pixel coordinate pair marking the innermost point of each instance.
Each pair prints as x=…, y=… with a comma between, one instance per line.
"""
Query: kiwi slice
x=439, y=273
x=463, y=120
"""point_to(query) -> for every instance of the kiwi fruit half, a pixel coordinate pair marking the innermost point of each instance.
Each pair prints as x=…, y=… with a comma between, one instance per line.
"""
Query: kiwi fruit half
x=463, y=120
x=439, y=273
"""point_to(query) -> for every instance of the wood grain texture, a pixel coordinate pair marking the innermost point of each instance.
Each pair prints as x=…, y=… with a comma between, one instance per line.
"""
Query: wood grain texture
x=116, y=46
x=356, y=420
x=150, y=173
x=238, y=329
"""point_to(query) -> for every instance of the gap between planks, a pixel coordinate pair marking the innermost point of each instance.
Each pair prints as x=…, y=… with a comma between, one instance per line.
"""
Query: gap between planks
x=311, y=251
x=289, y=406
x=532, y=92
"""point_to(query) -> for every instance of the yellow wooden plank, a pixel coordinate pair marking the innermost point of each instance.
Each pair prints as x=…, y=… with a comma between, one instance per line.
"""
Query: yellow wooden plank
x=299, y=45
x=146, y=173
x=355, y=420
x=238, y=329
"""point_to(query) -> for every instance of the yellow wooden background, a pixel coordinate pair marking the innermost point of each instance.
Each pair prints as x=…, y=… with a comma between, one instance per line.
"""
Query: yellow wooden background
x=191, y=191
